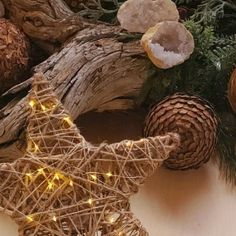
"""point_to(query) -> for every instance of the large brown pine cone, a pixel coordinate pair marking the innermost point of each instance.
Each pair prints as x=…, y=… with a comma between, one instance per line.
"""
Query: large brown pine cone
x=194, y=120
x=232, y=90
x=13, y=54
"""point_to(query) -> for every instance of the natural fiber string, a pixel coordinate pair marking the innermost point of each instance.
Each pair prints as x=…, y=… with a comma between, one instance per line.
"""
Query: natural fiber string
x=65, y=186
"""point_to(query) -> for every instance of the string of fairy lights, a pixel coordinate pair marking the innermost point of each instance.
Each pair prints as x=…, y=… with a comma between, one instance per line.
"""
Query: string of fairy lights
x=58, y=176
x=64, y=185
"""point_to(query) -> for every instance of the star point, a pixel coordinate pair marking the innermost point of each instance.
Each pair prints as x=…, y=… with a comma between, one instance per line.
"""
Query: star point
x=73, y=186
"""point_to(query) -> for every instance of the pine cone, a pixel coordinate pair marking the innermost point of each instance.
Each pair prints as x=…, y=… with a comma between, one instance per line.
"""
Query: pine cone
x=13, y=54
x=232, y=90
x=194, y=120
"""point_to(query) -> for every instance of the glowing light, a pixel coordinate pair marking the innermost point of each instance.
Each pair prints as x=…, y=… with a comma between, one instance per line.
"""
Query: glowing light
x=28, y=178
x=29, y=218
x=50, y=185
x=43, y=108
x=54, y=218
x=58, y=176
x=90, y=201
x=32, y=103
x=36, y=147
x=93, y=177
x=128, y=143
x=111, y=220
x=68, y=120
x=29, y=175
x=109, y=174
x=40, y=171
x=71, y=183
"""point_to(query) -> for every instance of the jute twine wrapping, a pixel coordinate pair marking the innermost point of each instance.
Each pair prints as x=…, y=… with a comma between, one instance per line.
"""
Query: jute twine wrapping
x=65, y=186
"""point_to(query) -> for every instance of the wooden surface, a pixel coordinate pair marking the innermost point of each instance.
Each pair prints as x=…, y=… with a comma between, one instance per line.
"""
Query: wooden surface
x=94, y=71
x=191, y=203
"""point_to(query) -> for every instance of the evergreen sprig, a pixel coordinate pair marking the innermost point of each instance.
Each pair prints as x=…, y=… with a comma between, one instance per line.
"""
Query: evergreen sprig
x=103, y=10
x=219, y=50
x=204, y=37
x=223, y=57
x=209, y=11
x=214, y=56
x=205, y=74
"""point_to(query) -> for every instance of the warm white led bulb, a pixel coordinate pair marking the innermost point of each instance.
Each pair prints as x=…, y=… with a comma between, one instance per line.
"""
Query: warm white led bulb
x=29, y=218
x=54, y=218
x=29, y=175
x=40, y=170
x=50, y=185
x=93, y=177
x=32, y=103
x=43, y=108
x=68, y=120
x=128, y=143
x=90, y=201
x=109, y=174
x=71, y=183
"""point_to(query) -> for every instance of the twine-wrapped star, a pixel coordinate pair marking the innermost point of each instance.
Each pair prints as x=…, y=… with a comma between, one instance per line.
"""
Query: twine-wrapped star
x=65, y=186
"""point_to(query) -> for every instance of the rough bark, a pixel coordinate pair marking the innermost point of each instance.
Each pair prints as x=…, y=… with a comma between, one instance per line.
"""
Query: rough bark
x=96, y=70
x=2, y=9
x=46, y=20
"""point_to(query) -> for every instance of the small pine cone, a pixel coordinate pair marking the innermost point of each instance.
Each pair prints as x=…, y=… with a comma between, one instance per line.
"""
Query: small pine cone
x=13, y=55
x=232, y=90
x=194, y=120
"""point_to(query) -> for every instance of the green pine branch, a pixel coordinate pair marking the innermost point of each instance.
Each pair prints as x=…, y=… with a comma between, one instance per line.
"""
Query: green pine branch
x=214, y=49
x=209, y=11
x=215, y=11
x=206, y=74
x=104, y=10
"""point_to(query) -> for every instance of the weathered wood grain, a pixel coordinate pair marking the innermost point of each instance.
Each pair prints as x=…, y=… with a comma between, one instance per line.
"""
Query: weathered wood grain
x=99, y=69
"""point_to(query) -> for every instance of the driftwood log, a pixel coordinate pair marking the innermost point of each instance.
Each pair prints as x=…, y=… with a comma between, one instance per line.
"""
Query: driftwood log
x=46, y=20
x=98, y=67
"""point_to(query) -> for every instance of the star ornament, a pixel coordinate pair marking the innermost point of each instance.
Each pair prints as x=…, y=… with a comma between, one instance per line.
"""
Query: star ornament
x=65, y=186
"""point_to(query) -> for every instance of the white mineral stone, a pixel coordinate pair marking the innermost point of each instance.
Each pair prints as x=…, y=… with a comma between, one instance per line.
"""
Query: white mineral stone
x=140, y=15
x=168, y=57
x=2, y=9
x=168, y=44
